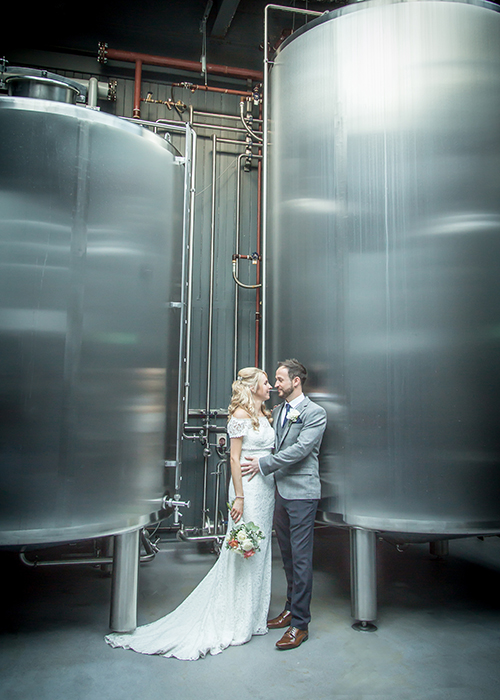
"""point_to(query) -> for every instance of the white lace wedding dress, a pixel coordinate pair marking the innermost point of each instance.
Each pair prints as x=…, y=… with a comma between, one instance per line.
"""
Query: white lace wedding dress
x=231, y=603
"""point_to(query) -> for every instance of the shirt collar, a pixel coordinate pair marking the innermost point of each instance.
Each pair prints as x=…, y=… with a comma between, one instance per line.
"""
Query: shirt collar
x=296, y=401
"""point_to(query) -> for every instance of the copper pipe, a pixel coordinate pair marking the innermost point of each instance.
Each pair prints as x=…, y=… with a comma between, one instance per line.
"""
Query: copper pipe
x=192, y=87
x=137, y=89
x=194, y=66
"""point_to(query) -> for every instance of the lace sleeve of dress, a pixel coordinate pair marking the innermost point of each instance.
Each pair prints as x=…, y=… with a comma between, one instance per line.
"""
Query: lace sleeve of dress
x=238, y=427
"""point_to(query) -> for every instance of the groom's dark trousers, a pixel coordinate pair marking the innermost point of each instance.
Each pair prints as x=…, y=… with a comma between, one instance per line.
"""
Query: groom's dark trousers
x=294, y=527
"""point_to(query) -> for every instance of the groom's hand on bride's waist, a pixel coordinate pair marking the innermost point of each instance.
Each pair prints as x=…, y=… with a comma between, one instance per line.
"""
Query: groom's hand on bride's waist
x=250, y=467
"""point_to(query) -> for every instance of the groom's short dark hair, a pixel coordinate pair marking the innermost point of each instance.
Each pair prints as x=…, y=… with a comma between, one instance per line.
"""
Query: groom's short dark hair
x=294, y=369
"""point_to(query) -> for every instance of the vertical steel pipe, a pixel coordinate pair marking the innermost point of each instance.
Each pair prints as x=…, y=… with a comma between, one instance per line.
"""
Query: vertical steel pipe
x=258, y=298
x=189, y=300
x=237, y=250
x=186, y=300
x=212, y=274
x=210, y=329
x=92, y=92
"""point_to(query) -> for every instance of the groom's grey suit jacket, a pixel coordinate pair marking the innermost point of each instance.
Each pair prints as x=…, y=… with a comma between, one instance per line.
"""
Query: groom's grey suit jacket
x=295, y=459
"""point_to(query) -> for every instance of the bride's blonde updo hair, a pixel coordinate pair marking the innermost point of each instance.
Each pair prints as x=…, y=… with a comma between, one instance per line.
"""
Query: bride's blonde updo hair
x=248, y=379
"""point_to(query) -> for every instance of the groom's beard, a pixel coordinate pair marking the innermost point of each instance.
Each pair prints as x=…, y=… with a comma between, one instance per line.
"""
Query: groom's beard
x=285, y=393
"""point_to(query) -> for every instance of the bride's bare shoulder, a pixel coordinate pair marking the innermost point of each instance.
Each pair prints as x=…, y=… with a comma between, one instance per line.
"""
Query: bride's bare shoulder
x=240, y=413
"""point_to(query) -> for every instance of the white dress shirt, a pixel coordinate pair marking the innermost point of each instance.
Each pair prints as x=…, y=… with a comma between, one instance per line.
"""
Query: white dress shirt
x=293, y=404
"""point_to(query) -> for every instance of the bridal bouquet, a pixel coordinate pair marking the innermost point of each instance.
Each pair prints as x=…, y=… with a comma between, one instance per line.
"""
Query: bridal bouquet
x=244, y=539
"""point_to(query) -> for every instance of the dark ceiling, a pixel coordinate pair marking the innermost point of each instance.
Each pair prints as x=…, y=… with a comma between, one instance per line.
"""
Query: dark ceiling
x=167, y=28
x=170, y=28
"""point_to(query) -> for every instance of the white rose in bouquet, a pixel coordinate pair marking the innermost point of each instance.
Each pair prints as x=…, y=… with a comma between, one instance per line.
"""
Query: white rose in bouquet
x=243, y=539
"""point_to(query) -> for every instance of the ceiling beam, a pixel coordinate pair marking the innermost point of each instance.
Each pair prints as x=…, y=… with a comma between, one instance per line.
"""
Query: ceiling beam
x=225, y=14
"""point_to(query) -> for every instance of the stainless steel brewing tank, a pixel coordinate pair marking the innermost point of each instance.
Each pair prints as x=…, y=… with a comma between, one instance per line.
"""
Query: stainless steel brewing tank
x=384, y=256
x=91, y=241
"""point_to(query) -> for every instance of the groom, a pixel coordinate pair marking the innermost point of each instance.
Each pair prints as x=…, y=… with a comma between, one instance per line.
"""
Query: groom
x=299, y=425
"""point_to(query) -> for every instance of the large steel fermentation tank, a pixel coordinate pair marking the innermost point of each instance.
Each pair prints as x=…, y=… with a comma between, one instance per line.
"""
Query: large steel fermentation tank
x=91, y=239
x=383, y=257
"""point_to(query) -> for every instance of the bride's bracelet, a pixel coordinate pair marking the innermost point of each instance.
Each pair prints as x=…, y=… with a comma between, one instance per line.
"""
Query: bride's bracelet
x=242, y=497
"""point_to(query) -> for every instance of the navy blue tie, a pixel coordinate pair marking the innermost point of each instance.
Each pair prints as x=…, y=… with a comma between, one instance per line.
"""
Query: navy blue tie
x=287, y=411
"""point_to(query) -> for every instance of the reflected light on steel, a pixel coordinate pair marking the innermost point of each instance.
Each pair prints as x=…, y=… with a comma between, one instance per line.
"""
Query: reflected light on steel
x=384, y=256
x=91, y=237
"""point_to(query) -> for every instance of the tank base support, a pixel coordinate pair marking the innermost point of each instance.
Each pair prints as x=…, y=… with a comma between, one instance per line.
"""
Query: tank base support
x=439, y=549
x=123, y=615
x=363, y=578
x=364, y=626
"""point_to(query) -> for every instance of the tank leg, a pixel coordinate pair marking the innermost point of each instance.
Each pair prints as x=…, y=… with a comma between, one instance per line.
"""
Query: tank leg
x=123, y=616
x=363, y=579
x=107, y=551
x=441, y=548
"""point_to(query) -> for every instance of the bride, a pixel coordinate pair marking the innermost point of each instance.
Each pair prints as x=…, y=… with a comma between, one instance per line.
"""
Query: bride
x=232, y=601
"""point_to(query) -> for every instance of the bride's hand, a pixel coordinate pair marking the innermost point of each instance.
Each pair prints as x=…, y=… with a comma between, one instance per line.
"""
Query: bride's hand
x=237, y=508
x=250, y=467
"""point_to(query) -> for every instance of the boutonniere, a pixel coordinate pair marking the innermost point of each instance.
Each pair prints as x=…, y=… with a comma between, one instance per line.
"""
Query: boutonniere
x=293, y=415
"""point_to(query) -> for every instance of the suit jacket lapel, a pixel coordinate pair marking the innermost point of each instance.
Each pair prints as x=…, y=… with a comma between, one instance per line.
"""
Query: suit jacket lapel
x=277, y=424
x=284, y=431
x=279, y=427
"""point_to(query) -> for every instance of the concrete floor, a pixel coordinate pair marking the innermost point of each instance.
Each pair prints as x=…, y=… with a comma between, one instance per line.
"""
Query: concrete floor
x=438, y=632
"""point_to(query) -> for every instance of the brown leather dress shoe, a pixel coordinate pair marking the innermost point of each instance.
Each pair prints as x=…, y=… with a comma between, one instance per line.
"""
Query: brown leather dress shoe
x=292, y=638
x=283, y=620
